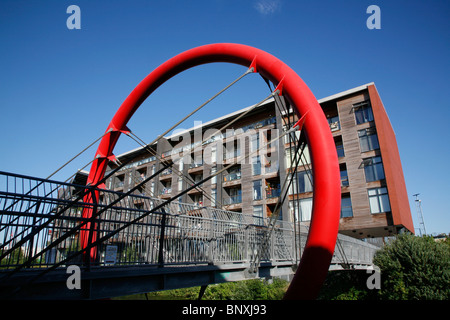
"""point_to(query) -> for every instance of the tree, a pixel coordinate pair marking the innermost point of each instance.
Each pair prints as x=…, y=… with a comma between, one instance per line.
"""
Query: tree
x=414, y=268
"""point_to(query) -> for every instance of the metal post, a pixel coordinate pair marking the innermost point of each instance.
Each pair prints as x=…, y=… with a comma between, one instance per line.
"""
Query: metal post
x=420, y=213
x=91, y=231
x=161, y=239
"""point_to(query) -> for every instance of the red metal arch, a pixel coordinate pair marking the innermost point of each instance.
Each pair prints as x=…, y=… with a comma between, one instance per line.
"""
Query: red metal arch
x=322, y=236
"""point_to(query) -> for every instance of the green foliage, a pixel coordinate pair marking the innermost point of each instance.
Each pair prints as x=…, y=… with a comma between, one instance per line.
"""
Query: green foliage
x=414, y=268
x=346, y=285
x=411, y=268
x=241, y=290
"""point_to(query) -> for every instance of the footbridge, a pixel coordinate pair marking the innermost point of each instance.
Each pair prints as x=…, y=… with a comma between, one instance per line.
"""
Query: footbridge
x=137, y=243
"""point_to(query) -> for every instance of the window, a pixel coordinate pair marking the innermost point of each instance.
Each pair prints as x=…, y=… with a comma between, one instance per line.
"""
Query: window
x=368, y=139
x=379, y=200
x=334, y=124
x=346, y=206
x=344, y=176
x=257, y=190
x=373, y=169
x=256, y=165
x=302, y=206
x=235, y=196
x=363, y=112
x=258, y=217
x=213, y=198
x=305, y=159
x=213, y=154
x=180, y=184
x=340, y=149
x=303, y=183
x=254, y=142
x=213, y=172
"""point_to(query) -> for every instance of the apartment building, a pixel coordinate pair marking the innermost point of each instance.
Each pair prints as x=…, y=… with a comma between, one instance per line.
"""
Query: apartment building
x=250, y=160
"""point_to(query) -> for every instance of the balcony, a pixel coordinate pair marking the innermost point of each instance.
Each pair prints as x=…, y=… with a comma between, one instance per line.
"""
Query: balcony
x=344, y=181
x=166, y=192
x=232, y=179
x=166, y=174
x=230, y=156
x=232, y=176
x=195, y=167
x=273, y=193
x=232, y=200
x=119, y=185
x=335, y=126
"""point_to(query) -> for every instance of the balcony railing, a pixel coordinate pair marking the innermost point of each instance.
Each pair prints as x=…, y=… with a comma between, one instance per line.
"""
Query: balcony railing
x=166, y=172
x=119, y=184
x=232, y=176
x=273, y=193
x=335, y=126
x=233, y=200
x=344, y=181
x=166, y=191
x=195, y=165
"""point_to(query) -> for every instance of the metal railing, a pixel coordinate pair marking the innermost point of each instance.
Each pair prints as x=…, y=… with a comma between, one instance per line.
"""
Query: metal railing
x=41, y=222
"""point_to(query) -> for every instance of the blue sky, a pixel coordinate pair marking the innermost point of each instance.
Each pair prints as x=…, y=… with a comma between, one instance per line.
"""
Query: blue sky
x=60, y=87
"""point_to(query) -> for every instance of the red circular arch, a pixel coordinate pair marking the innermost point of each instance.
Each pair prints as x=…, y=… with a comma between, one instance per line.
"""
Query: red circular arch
x=321, y=241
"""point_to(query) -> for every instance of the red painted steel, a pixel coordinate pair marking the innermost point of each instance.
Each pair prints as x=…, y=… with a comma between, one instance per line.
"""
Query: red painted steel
x=324, y=223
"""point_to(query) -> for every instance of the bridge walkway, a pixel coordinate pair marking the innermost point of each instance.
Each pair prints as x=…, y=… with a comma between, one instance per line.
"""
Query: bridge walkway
x=136, y=243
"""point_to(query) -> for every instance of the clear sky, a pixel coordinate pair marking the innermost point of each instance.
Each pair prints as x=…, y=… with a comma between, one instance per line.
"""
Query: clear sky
x=60, y=88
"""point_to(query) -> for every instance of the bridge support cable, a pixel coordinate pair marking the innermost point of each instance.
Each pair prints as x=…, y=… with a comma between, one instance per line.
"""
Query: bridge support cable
x=249, y=70
x=299, y=149
x=293, y=140
x=180, y=174
x=154, y=153
x=301, y=141
x=98, y=213
x=72, y=231
x=296, y=204
x=273, y=218
x=143, y=144
x=51, y=175
x=46, y=194
x=71, y=203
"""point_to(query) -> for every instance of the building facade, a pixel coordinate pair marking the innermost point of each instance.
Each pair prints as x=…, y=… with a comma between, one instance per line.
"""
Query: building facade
x=244, y=159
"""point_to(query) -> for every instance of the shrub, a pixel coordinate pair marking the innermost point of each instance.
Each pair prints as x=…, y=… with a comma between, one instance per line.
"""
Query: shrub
x=414, y=268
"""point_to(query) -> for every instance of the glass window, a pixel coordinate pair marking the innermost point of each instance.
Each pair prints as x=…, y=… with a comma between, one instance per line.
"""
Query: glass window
x=213, y=154
x=302, y=206
x=368, y=139
x=256, y=165
x=213, y=198
x=257, y=190
x=305, y=159
x=346, y=206
x=344, y=177
x=303, y=183
x=363, y=112
x=334, y=124
x=258, y=217
x=340, y=149
x=379, y=200
x=213, y=172
x=373, y=169
x=254, y=142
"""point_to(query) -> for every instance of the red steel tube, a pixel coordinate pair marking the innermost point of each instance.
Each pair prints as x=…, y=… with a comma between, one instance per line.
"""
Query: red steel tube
x=324, y=224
